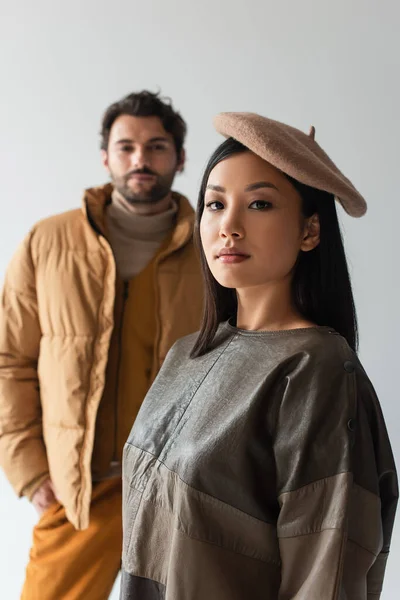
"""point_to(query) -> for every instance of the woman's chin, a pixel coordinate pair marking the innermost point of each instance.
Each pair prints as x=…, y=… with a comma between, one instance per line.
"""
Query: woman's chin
x=233, y=282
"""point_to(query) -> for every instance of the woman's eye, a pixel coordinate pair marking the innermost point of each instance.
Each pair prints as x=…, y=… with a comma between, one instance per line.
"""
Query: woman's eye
x=260, y=205
x=215, y=205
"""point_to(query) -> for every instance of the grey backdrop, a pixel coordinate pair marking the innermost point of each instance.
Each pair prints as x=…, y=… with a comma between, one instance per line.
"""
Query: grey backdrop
x=335, y=65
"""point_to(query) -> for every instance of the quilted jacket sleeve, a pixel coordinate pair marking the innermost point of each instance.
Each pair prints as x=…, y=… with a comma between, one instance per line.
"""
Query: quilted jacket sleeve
x=330, y=526
x=22, y=450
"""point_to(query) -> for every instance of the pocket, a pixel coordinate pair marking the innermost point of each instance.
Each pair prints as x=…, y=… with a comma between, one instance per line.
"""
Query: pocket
x=50, y=516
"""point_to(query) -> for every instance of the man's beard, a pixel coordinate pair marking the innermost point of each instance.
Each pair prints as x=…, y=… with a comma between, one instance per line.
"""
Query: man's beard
x=159, y=190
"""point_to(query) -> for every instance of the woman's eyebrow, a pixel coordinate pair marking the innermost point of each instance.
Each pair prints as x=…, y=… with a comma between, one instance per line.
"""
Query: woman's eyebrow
x=260, y=184
x=215, y=188
x=249, y=188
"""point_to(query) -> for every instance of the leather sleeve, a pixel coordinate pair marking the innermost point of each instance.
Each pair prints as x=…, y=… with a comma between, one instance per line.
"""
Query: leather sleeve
x=22, y=450
x=374, y=469
x=330, y=525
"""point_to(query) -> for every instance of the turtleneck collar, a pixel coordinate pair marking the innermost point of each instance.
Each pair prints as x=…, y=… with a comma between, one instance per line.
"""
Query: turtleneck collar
x=139, y=227
x=136, y=239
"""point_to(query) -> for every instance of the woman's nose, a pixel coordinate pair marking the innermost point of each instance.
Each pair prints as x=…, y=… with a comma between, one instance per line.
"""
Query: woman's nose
x=231, y=227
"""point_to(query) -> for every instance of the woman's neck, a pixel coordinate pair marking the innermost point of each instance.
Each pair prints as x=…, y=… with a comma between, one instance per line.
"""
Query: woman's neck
x=268, y=307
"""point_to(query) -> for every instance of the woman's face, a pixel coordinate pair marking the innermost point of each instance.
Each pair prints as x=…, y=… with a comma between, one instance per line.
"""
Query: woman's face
x=252, y=227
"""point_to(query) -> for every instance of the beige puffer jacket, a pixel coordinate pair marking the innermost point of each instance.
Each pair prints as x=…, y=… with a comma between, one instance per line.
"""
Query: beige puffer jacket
x=56, y=320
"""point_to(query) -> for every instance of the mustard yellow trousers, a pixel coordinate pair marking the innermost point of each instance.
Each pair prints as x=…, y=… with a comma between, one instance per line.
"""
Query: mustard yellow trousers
x=66, y=564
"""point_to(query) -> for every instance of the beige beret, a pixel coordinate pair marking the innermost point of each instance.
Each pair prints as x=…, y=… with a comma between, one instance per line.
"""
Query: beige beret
x=292, y=152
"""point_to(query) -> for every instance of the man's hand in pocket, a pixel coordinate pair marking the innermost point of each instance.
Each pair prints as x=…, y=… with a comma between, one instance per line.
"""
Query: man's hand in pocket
x=44, y=496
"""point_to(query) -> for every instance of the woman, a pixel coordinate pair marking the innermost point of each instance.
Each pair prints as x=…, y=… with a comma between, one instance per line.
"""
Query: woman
x=259, y=465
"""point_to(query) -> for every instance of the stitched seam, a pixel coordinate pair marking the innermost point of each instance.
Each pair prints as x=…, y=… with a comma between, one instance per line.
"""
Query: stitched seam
x=323, y=504
x=137, y=511
x=291, y=491
x=90, y=391
x=318, y=481
x=281, y=332
x=362, y=547
x=300, y=535
x=345, y=355
x=142, y=577
x=291, y=537
x=266, y=560
x=181, y=423
x=211, y=499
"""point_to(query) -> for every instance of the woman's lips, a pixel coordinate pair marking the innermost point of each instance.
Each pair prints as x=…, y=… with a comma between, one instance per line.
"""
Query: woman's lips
x=232, y=258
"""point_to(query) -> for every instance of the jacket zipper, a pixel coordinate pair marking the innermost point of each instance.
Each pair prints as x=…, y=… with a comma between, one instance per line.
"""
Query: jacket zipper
x=125, y=293
x=156, y=361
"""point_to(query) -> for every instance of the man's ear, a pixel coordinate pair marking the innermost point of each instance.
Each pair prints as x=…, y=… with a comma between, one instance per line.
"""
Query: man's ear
x=181, y=161
x=104, y=160
x=312, y=232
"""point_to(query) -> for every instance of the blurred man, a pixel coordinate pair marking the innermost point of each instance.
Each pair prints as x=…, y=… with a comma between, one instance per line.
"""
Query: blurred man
x=93, y=300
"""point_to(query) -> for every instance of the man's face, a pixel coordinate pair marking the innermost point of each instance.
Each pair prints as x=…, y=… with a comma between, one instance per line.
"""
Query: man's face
x=142, y=161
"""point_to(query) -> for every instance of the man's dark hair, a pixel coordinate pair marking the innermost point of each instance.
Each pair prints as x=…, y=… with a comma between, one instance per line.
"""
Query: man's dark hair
x=145, y=104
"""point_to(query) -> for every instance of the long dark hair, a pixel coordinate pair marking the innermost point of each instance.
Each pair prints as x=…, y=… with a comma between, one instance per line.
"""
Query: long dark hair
x=321, y=285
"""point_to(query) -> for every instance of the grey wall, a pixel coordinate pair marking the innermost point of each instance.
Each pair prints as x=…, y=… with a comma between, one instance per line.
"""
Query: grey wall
x=335, y=65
